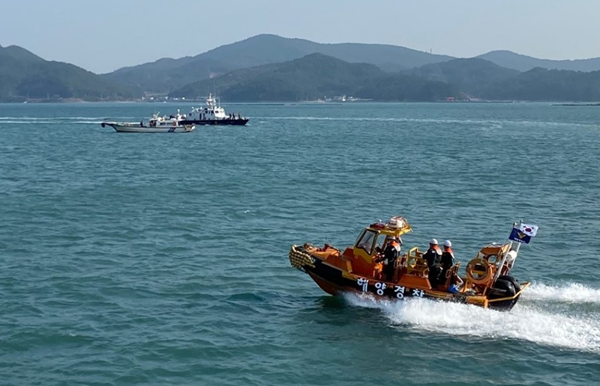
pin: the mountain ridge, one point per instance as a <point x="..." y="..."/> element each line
<point x="520" y="62"/>
<point x="24" y="75"/>
<point x="256" y="69"/>
<point x="265" y="49"/>
<point x="316" y="76"/>
<point x="166" y="74"/>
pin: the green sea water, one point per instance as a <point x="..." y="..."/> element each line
<point x="161" y="259"/>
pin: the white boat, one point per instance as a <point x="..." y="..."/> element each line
<point x="156" y="124"/>
<point x="212" y="114"/>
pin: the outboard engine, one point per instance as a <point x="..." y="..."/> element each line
<point x="505" y="287"/>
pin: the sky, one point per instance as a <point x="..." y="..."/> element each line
<point x="104" y="35"/>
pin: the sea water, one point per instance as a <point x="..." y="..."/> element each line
<point x="161" y="259"/>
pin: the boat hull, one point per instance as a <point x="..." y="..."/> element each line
<point x="335" y="281"/>
<point x="219" y="122"/>
<point x="137" y="128"/>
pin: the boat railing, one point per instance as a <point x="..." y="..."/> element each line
<point x="415" y="263"/>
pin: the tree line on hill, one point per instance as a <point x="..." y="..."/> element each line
<point x="269" y="68"/>
<point x="25" y="76"/>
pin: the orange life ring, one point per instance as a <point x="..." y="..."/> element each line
<point x="478" y="278"/>
<point x="174" y="123"/>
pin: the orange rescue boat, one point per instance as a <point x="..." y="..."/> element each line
<point x="357" y="269"/>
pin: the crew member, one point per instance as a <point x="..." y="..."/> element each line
<point x="390" y="255"/>
<point x="447" y="259"/>
<point x="433" y="257"/>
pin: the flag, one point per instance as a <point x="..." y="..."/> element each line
<point x="529" y="230"/>
<point x="519" y="237"/>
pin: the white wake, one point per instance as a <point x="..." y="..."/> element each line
<point x="566" y="293"/>
<point x="572" y="329"/>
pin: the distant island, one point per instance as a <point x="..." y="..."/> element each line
<point x="578" y="104"/>
<point x="270" y="68"/>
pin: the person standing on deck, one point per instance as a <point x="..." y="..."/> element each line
<point x="433" y="257"/>
<point x="447" y="260"/>
<point x="390" y="255"/>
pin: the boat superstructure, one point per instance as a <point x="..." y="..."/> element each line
<point x="212" y="113"/>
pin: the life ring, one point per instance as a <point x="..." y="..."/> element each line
<point x="479" y="276"/>
<point x="174" y="123"/>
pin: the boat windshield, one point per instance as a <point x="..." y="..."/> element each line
<point x="366" y="241"/>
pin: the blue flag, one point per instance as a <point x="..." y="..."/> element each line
<point x="519" y="236"/>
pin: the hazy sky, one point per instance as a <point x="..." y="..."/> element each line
<point x="104" y="35"/>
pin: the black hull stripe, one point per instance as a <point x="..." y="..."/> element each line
<point x="334" y="276"/>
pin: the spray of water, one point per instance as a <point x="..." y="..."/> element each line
<point x="567" y="293"/>
<point x="534" y="321"/>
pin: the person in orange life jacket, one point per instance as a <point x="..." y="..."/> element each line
<point x="447" y="259"/>
<point x="433" y="257"/>
<point x="390" y="255"/>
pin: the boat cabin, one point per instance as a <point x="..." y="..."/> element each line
<point x="211" y="111"/>
<point x="375" y="238"/>
<point x="162" y="121"/>
<point x="411" y="268"/>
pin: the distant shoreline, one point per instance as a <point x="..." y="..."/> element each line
<point x="577" y="104"/>
<point x="137" y="101"/>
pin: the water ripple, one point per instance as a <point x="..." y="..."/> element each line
<point x="162" y="259"/>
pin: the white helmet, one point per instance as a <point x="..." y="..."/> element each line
<point x="447" y="243"/>
<point x="433" y="241"/>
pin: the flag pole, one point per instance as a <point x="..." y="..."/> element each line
<point x="516" y="255"/>
<point x="501" y="265"/>
<point x="518" y="247"/>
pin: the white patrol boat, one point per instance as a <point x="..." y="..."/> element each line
<point x="156" y="124"/>
<point x="212" y="114"/>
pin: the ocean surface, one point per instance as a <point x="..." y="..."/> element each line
<point x="161" y="259"/>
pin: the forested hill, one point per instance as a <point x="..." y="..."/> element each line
<point x="311" y="77"/>
<point x="317" y="76"/>
<point x="166" y="75"/>
<point x="520" y="62"/>
<point x="473" y="77"/>
<point x="244" y="71"/>
<point x="541" y="84"/>
<point x="478" y="78"/>
<point x="24" y="75"/>
<point x="169" y="74"/>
